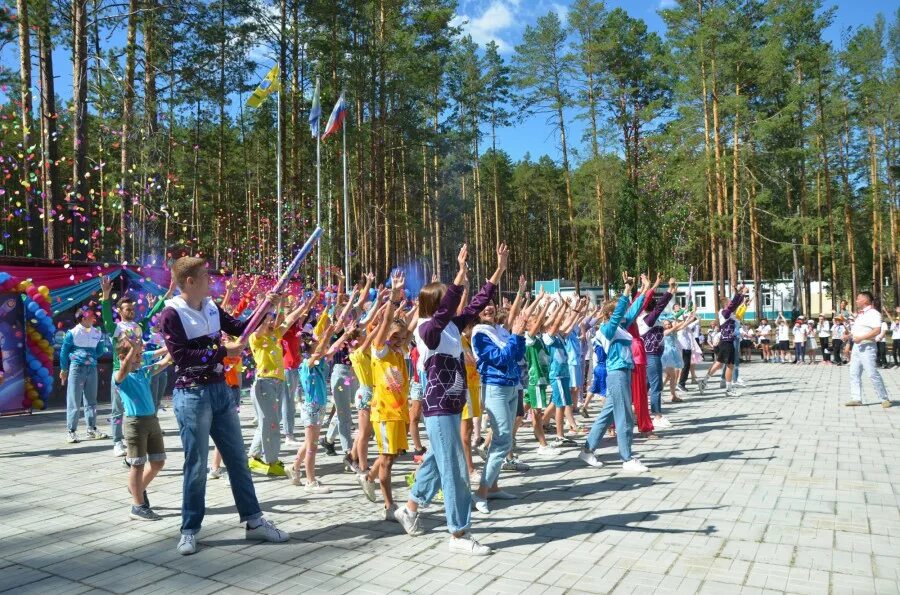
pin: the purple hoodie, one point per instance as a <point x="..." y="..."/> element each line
<point x="198" y="355"/>
<point x="440" y="350"/>
<point x="652" y="335"/>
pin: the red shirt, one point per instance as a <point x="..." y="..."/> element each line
<point x="290" y="344"/>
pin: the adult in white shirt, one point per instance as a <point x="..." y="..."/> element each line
<point x="764" y="332"/>
<point x="823" y="331"/>
<point x="799" y="333"/>
<point x="866" y="328"/>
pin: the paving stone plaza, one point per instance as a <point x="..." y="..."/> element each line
<point x="780" y="490"/>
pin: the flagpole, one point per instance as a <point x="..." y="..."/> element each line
<point x="318" y="200"/>
<point x="278" y="180"/>
<point x="346" y="211"/>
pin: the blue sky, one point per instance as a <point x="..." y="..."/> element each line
<point x="504" y="21"/>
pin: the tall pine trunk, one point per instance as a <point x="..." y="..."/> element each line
<point x="127" y="118"/>
<point x="78" y="203"/>
<point x="49" y="146"/>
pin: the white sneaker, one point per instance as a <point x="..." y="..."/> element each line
<point x="548" y="451"/>
<point x="740" y="382"/>
<point x="481" y="504"/>
<point x="732" y="392"/>
<point x="187" y="545"/>
<point x="661" y="423"/>
<point x="295" y="475"/>
<point x="267" y="531"/>
<point x="216" y="473"/>
<point x="482" y="452"/>
<point x="475" y="478"/>
<point x="316" y="487"/>
<point x="467" y="545"/>
<point x="590" y="459"/>
<point x="409" y="520"/>
<point x="71" y="437"/>
<point x="389" y="513"/>
<point x="514" y="465"/>
<point x="634" y="466"/>
<point x="368" y="487"/>
<point x="702" y="385"/>
<point x="291" y="443"/>
<point x="119" y="449"/>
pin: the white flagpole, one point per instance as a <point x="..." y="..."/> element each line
<point x="278" y="177"/>
<point x="346" y="209"/>
<point x="318" y="196"/>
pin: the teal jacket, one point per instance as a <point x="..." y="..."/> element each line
<point x="614" y="336"/>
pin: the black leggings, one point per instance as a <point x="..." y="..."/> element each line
<point x="881" y="354"/>
<point x="837" y="345"/>
<point x="897" y="352"/>
<point x="685" y="368"/>
<point x="823" y="344"/>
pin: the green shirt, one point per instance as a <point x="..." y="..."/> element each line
<point x="117" y="329"/>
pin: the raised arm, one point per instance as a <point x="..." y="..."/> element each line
<point x="398" y="281"/>
<point x="365" y="290"/>
<point x="109" y="325"/>
<point x="430" y="331"/>
<point x="132" y="355"/>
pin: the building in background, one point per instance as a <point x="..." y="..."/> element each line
<point x="776" y="296"/>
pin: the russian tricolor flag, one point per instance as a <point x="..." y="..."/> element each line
<point x="336" y="119"/>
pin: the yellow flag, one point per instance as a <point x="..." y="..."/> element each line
<point x="269" y="85"/>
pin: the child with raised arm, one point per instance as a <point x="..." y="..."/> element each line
<point x="143" y="436"/>
<point x="438" y="339"/>
<point x="313" y="372"/>
<point x="390" y="379"/>
<point x="614" y="318"/>
<point x="268" y="388"/>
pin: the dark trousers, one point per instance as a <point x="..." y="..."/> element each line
<point x="837" y="345"/>
<point x="823" y="344"/>
<point x="685" y="368"/>
<point x="881" y="354"/>
<point x="897" y="352"/>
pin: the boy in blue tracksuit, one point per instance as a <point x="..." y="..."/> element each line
<point x="615" y="340"/>
<point x="81" y="348"/>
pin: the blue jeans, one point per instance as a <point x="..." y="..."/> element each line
<point x="116" y="414"/>
<point x="81" y="387"/>
<point x="288" y="404"/>
<point x="444" y="467"/>
<point x="267" y="393"/>
<point x="343" y="390"/>
<point x="203" y="412"/>
<point x="617" y="406"/>
<point x="655" y="382"/>
<point x="862" y="359"/>
<point x="500" y="403"/>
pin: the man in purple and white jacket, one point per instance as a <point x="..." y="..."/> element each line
<point x="652" y="335"/>
<point x="729" y="328"/>
<point x="192" y="325"/>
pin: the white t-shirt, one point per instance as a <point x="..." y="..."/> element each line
<point x="824" y="329"/>
<point x="764" y="331"/>
<point x="783" y="331"/>
<point x="837" y="332"/>
<point x="882" y="338"/>
<point x="864" y="323"/>
<point x="799" y="333"/>
<point x="895" y="331"/>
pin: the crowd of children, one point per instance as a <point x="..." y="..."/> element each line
<point x="472" y="371"/>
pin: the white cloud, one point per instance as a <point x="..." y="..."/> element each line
<point x="496" y="19"/>
<point x="667" y="4"/>
<point x="562" y="12"/>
